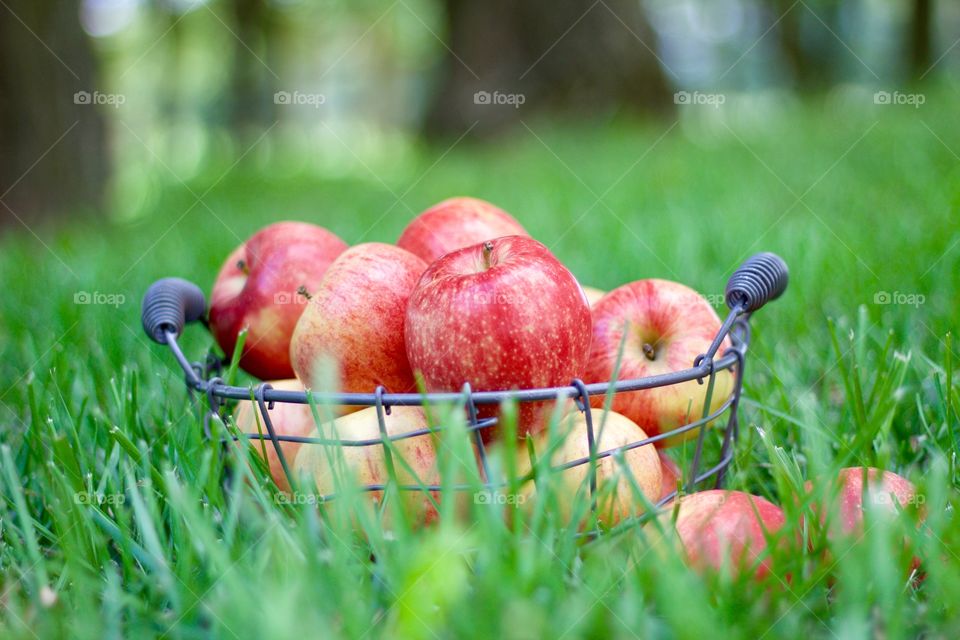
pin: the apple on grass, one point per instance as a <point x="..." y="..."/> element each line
<point x="729" y="529"/>
<point x="503" y="314"/>
<point x="615" y="491"/>
<point x="257" y="289"/>
<point x="355" y="319"/>
<point x="288" y="419"/>
<point x="454" y="224"/>
<point x="663" y="326"/>
<point x="414" y="459"/>
<point x="850" y="499"/>
<point x="885" y="492"/>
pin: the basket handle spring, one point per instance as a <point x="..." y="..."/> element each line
<point x="757" y="281"/>
<point x="168" y="305"/>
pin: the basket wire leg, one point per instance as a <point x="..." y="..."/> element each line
<point x="265" y="408"/>
<point x="702" y="430"/>
<point x="382" y="413"/>
<point x="583" y="403"/>
<point x="473" y="423"/>
<point x="733" y="423"/>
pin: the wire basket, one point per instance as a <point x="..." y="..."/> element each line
<point x="169" y="304"/>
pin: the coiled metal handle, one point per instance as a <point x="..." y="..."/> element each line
<point x="168" y="305"/>
<point x="759" y="280"/>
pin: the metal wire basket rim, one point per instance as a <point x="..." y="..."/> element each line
<point x="484" y="424"/>
<point x="271" y="395"/>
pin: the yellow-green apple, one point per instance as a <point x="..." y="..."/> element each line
<point x="727" y="529"/>
<point x="257" y="289"/>
<point x="671" y="474"/>
<point x="617" y="499"/>
<point x="454" y="224"/>
<point x="502" y="314"/>
<point x="287" y="418"/>
<point x="355" y="319"/>
<point x="593" y="295"/>
<point x="664" y="326"/>
<point x="414" y="458"/>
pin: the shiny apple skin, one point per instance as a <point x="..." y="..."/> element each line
<point x="356" y="317"/>
<point x="680" y="325"/>
<point x="524" y="322"/>
<point x="279" y="259"/>
<point x="454" y="224"/>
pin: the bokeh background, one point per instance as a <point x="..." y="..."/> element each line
<point x="123" y="99"/>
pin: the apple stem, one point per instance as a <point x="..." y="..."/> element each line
<point x="487" y="250"/>
<point x="242" y="265"/>
<point x="649" y="351"/>
<point x="302" y="290"/>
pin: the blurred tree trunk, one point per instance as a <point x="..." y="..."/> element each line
<point x="579" y="55"/>
<point x="809" y="47"/>
<point x="53" y="146"/>
<point x="920" y="19"/>
<point x="251" y="87"/>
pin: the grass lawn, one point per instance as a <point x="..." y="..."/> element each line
<point x="860" y="200"/>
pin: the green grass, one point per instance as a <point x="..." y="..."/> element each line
<point x="858" y="199"/>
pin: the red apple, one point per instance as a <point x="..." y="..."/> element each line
<point x="355" y="318"/>
<point x="671" y="474"/>
<point x="842" y="509"/>
<point x="617" y="499"/>
<point x="727" y="528"/>
<point x="257" y="288"/>
<point x="366" y="465"/>
<point x="454" y="224"/>
<point x="883" y="490"/>
<point x="664" y="326"/>
<point x="502" y="314"/>
<point x="593" y="295"/>
<point x="288" y="419"/>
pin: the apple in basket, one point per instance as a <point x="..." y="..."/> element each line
<point x="454" y="224"/>
<point x="287" y="418"/>
<point x="355" y="319"/>
<point x="593" y="295"/>
<point x="663" y="326"/>
<point x="503" y="314"/>
<point x="332" y="467"/>
<point x="257" y="289"/>
<point x="729" y="529"/>
<point x="617" y="497"/>
<point x="672" y="475"/>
